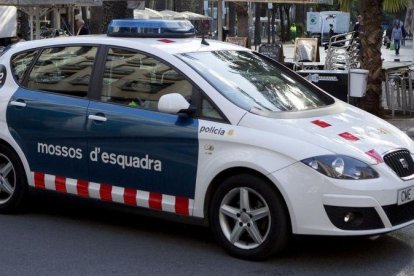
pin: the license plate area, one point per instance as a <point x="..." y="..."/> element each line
<point x="405" y="195"/>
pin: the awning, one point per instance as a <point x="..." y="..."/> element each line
<point x="8" y="21"/>
<point x="33" y="3"/>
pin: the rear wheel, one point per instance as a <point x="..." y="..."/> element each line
<point x="248" y="217"/>
<point x="12" y="180"/>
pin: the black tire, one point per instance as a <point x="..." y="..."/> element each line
<point x="255" y="229"/>
<point x="13" y="184"/>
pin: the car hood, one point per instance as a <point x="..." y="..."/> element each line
<point x="341" y="129"/>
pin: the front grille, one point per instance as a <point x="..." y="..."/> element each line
<point x="400" y="162"/>
<point x="400" y="213"/>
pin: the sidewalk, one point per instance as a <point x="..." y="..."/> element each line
<point x="406" y="53"/>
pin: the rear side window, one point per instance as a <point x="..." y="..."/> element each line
<point x="63" y="70"/>
<point x="20" y="64"/>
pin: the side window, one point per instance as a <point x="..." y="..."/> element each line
<point x="137" y="80"/>
<point x="208" y="111"/>
<point x="20" y="63"/>
<point x="63" y="70"/>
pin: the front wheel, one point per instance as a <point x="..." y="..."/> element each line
<point x="248" y="217"/>
<point x="13" y="183"/>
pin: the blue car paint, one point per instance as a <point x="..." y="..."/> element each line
<point x="138" y="133"/>
<point x="51" y="121"/>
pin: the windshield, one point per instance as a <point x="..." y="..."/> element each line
<point x="253" y="82"/>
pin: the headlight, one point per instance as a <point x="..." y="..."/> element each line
<point x="341" y="167"/>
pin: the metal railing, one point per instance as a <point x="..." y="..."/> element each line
<point x="399" y="90"/>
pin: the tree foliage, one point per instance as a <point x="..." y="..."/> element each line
<point x="391" y="6"/>
<point x="394" y="6"/>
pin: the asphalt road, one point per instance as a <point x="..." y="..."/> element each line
<point x="69" y="236"/>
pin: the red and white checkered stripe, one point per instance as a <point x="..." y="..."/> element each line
<point x="128" y="196"/>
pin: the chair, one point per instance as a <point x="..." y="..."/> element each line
<point x="342" y="52"/>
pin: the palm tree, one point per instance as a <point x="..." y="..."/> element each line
<point x="371" y="40"/>
<point x="24" y="25"/>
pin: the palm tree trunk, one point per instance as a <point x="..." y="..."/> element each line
<point x="243" y="21"/>
<point x="24" y="25"/>
<point x="101" y="16"/>
<point x="232" y="19"/>
<point x="282" y="26"/>
<point x="257" y="25"/>
<point x="371" y="54"/>
<point x="286" y="8"/>
<point x="273" y="23"/>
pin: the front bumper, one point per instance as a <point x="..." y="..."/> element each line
<point x="319" y="205"/>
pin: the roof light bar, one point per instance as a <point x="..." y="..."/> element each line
<point x="150" y="28"/>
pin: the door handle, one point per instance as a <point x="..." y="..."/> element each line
<point x="97" y="118"/>
<point x="18" y="103"/>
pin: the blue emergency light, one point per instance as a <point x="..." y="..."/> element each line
<point x="150" y="28"/>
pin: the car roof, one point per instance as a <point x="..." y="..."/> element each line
<point x="168" y="45"/>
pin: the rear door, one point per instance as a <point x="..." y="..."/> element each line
<point x="47" y="114"/>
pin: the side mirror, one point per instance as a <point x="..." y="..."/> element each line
<point x="174" y="103"/>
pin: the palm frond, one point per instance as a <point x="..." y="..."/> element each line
<point x="394" y="6"/>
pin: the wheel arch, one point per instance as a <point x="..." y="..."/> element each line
<point x="219" y="178"/>
<point x="19" y="155"/>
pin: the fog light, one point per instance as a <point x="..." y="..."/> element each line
<point x="349" y="217"/>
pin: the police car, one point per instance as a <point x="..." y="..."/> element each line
<point x="151" y="117"/>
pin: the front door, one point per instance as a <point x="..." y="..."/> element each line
<point x="137" y="154"/>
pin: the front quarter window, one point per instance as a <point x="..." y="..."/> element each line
<point x="252" y="82"/>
